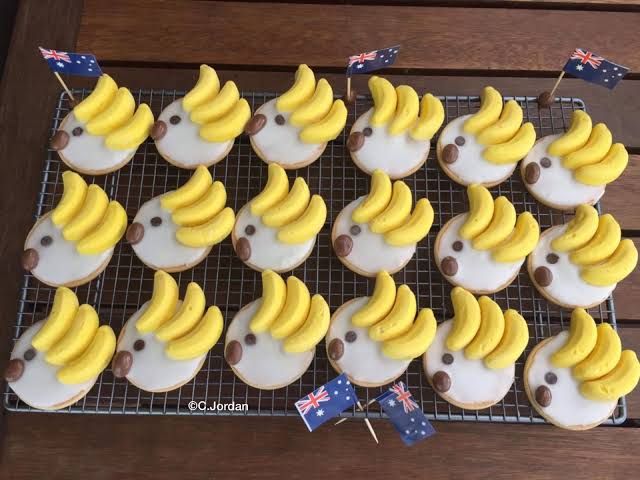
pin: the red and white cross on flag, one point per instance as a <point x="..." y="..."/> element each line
<point x="56" y="55"/>
<point x="312" y="400"/>
<point x="404" y="396"/>
<point x="586" y="57"/>
<point x="362" y="57"/>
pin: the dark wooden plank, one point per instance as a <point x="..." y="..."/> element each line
<point x="626" y="296"/>
<point x="432" y="38"/>
<point x="630" y="335"/>
<point x="8" y="10"/>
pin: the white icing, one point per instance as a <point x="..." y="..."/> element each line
<point x="60" y="263"/>
<point x="159" y="247"/>
<point x="471" y="167"/>
<point x="568" y="407"/>
<point x="281" y="143"/>
<point x="267" y="252"/>
<point x="477" y="270"/>
<point x="88" y="153"/>
<point x="264" y="365"/>
<point x="396" y="155"/>
<point x="152" y="370"/>
<point x="567" y="288"/>
<point x="362" y="360"/>
<point x="182" y="143"/>
<point x="370" y="253"/>
<point x="38" y="386"/>
<point x="472" y="383"/>
<point x="556" y="185"/>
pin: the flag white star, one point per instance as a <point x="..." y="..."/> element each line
<point x="60" y="64"/>
<point x="615" y="68"/>
<point x="335" y="392"/>
<point x="386" y="61"/>
<point x="407" y="432"/>
<point x="348" y="383"/>
<point x="320" y="412"/>
<point x="579" y="67"/>
<point x="424" y="424"/>
<point x="606" y="79"/>
<point x="92" y="61"/>
<point x="604" y="71"/>
<point x="395" y="51"/>
<point x="422" y="432"/>
<point x="413" y="419"/>
<point x="359" y="65"/>
<point x="619" y="74"/>
<point x="391" y="403"/>
<point x="382" y="56"/>
<point x="89" y="69"/>
<point x="339" y="382"/>
<point x="82" y="57"/>
<point x="77" y="61"/>
<point x="348" y="397"/>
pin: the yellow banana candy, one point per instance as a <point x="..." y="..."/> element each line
<point x="63" y="311"/>
<point x="92" y="361"/>
<point x="385" y="100"/>
<point x="583" y="335"/>
<point x="490" y="108"/>
<point x="430" y="119"/>
<point x="162" y="305"/>
<point x="522" y="241"/>
<point x="328" y="128"/>
<point x="274" y="295"/>
<point x="380" y="303"/>
<point x="187" y="316"/>
<point x="102" y="95"/>
<point x="602" y="244"/>
<point x="593" y="151"/>
<point x="505" y="128"/>
<point x="205" y="89"/>
<point x="490" y="331"/>
<point x="407" y="110"/>
<point x="575" y="138"/>
<point x="579" y="230"/>
<point x="77" y="339"/>
<point x="312" y="330"/>
<point x="607" y="169"/>
<point x="107" y="233"/>
<point x="604" y="356"/>
<point x="300" y="92"/>
<point x="115" y="115"/>
<point x="315" y="108"/>
<point x="229" y="126"/>
<point x="199" y="340"/>
<point x="514" y="341"/>
<point x="512" y="150"/>
<point x="396" y="212"/>
<point x="275" y="190"/>
<point x="377" y="200"/>
<point x="204" y="209"/>
<point x="480" y="211"/>
<point x="613" y="270"/>
<point x="191" y="191"/>
<point x="618" y="382"/>
<point x="295" y="310"/>
<point x="73" y="195"/>
<point x="415" y="341"/>
<point x="399" y="319"/>
<point x="218" y="106"/>
<point x="501" y="226"/>
<point x="89" y="216"/>
<point x="133" y="132"/>
<point x="466" y="320"/>
<point x="416" y="227"/>
<point x="307" y="225"/>
<point x="290" y="207"/>
<point x="210" y="233"/>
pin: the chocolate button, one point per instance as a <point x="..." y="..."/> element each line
<point x="532" y="173"/>
<point x="233" y="352"/>
<point x="59" y="140"/>
<point x="355" y="141"/>
<point x="174" y="120"/>
<point x="552" y="258"/>
<point x="457" y="246"/>
<point x="350" y="336"/>
<point x="250" y="339"/>
<point x="135" y="233"/>
<point x="14" y="370"/>
<point x="343" y="245"/>
<point x="441" y="381"/>
<point x="447" y="359"/>
<point x="77" y="131"/>
<point x="543" y="396"/>
<point x="545" y="99"/>
<point x="449" y="266"/>
<point x="367" y="131"/>
<point x="279" y="119"/>
<point x="355" y="230"/>
<point x="255" y="124"/>
<point x="460" y="141"/>
<point x="46" y="241"/>
<point x="29" y="355"/>
<point x="122" y="364"/>
<point x="449" y="153"/>
<point x="543" y="276"/>
<point x="249" y="230"/>
<point x="545" y="162"/>
<point x="243" y="249"/>
<point x="551" y="378"/>
<point x="30" y="259"/>
<point x="158" y="130"/>
<point x="156" y="222"/>
<point x="138" y="345"/>
<point x="336" y="349"/>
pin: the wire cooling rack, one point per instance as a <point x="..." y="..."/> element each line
<point x="127" y="283"/>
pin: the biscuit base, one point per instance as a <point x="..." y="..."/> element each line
<point x="368" y="171"/>
<point x="178" y="268"/>
<point x="292" y="166"/>
<point x="66" y="403"/>
<point x="207" y="164"/>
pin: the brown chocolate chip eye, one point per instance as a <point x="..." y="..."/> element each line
<point x="76" y="132"/>
<point x="350" y="336"/>
<point x="249" y="229"/>
<point x="156" y="222"/>
<point x="459" y="141"/>
<point x="29" y="354"/>
<point x="457" y="246"/>
<point x="250" y="339"/>
<point x="279" y="119"/>
<point x="174" y="120"/>
<point x="367" y="131"/>
<point x="355" y="230"/>
<point x="545" y="162"/>
<point x="138" y="345"/>
<point x="552" y="258"/>
<point x="551" y="378"/>
<point x="46" y="241"/>
<point x="447" y="359"/>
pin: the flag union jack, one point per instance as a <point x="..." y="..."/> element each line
<point x="586" y="57"/>
<point x="373" y="60"/>
<point x="313" y="400"/>
<point x="55" y="55"/>
<point x="362" y="57"/>
<point x="342" y="396"/>
<point x="403" y="395"/>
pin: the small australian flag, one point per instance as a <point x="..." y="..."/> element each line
<point x="405" y="414"/>
<point x="374" y="60"/>
<point x="595" y="69"/>
<point x="326" y="402"/>
<point x="83" y="64"/>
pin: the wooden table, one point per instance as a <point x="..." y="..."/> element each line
<point x="515" y="45"/>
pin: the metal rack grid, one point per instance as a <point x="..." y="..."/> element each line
<point x="127" y="283"/>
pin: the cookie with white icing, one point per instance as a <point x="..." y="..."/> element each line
<point x="201" y="127"/>
<point x="72" y="244"/>
<point x="277" y="229"/>
<point x="564" y="171"/>
<point x="177" y="230"/>
<point x="165" y="343"/>
<point x="485" y="147"/>
<point x="395" y="135"/>
<point x="379" y="231"/>
<point x="574" y="379"/>
<point x="471" y="361"/>
<point x="373" y="339"/>
<point x="293" y="129"/>
<point x="579" y="264"/>
<point x="56" y="361"/>
<point x="102" y="133"/>
<point x="271" y="342"/>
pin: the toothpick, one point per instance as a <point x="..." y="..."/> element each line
<point x="359" y="407"/>
<point x="64" y="85"/>
<point x="368" y="424"/>
<point x="555" y="87"/>
<point x="349" y="87"/>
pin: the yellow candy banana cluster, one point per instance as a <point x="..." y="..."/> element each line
<point x="297" y="214"/>
<point x="595" y="245"/>
<point x="387" y="210"/>
<point x="492" y="225"/>
<point x="72" y="339"/>
<point x="109" y="111"/>
<point x="87" y="217"/>
<point x="198" y="208"/>
<point x="589" y="151"/>
<point x="485" y="331"/>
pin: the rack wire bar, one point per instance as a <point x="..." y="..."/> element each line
<point x="127" y="283"/>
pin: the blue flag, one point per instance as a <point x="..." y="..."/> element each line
<point x="405" y="414"/>
<point x="83" y="64"/>
<point x="370" y="61"/>
<point x="326" y="402"/>
<point x="592" y="68"/>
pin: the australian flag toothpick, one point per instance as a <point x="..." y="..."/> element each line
<point x="83" y="64"/>
<point x="374" y="60"/>
<point x="405" y="414"/>
<point x="595" y="69"/>
<point x="326" y="402"/>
